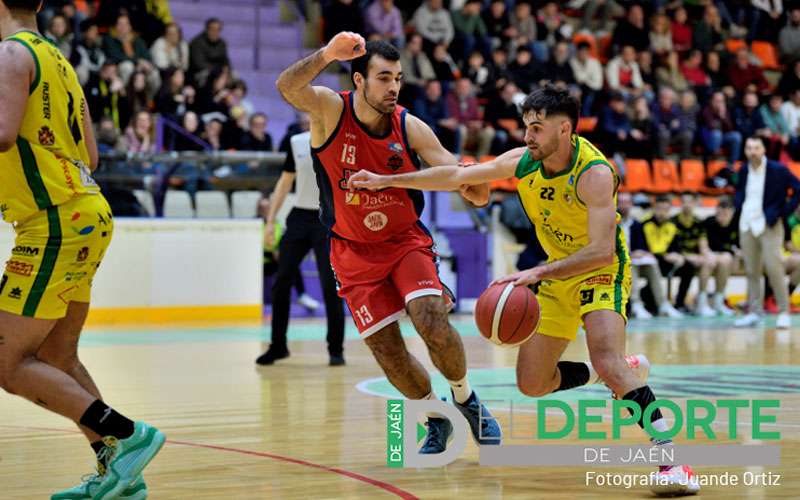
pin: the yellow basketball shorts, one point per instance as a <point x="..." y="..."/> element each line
<point x="564" y="303"/>
<point x="55" y="256"/>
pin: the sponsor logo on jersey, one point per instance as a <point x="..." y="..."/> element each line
<point x="352" y="198"/>
<point x="375" y="221"/>
<point x="603" y="279"/>
<point x="83" y="254"/>
<point x="587" y="296"/>
<point x="25" y="250"/>
<point x="605" y="297"/>
<point x="396" y="147"/>
<point x="21" y="268"/>
<point x="45" y="101"/>
<point x="346" y="173"/>
<point x="15" y="293"/>
<point x="395" y="162"/>
<point x="74" y="276"/>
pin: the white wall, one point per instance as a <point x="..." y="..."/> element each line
<point x="176" y="262"/>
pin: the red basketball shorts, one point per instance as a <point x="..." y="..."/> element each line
<point x="377" y="280"/>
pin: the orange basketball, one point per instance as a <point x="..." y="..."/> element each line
<point x="507" y="315"/>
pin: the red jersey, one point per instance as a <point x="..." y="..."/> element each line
<point x="366" y="216"/>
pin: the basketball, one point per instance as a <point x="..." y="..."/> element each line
<point x="507" y="315"/>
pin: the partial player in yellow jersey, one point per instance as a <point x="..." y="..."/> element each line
<point x="568" y="190"/>
<point x="63" y="226"/>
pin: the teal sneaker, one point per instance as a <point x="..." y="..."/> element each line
<point x="131" y="456"/>
<point x="90" y="484"/>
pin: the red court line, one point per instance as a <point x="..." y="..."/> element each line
<point x="353" y="475"/>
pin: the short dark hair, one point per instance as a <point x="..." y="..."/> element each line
<point x="553" y="101"/>
<point x="584" y="45"/>
<point x="663" y="198"/>
<point x="31" y="5"/>
<point x="378" y="48"/>
<point x="212" y="20"/>
<point x="725" y="202"/>
<point x="757" y="138"/>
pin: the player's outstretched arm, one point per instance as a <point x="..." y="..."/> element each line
<point x="427" y="145"/>
<point x="443" y="178"/>
<point x="15" y="79"/>
<point x="294" y="83"/>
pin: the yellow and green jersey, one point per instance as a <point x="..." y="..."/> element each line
<point x="554" y="207"/>
<point x="48" y="166"/>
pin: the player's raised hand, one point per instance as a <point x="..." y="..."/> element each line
<point x="364" y="179"/>
<point x="345" y="46"/>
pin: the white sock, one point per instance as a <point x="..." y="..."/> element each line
<point x="594" y="378"/>
<point x="461" y="389"/>
<point x="661" y="426"/>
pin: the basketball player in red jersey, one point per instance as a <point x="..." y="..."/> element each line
<point x="381" y="253"/>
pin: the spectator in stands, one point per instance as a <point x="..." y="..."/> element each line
<point x="108" y="139"/>
<point x="717" y="74"/>
<point x="660" y="235"/>
<point x="433" y="22"/>
<point x="590" y="8"/>
<point x="462" y="106"/>
<point x="213" y="96"/>
<point x="500" y="69"/>
<point x="789" y="37"/>
<point x="444" y="67"/>
<point x="723" y="240"/>
<point x="790" y="80"/>
<point x="303" y="124"/>
<point x="717" y="129"/>
<point x="479" y="74"/>
<point x="743" y="74"/>
<point x="138" y="100"/>
<point x="432" y="109"/>
<point x="237" y="99"/>
<point x="708" y="34"/>
<point x="632" y="31"/>
<point x="207" y="51"/>
<point x="171" y="50"/>
<point x="213" y="133"/>
<point x="681" y="31"/>
<point x="762" y="200"/>
<point x="526" y="74"/>
<point x="660" y="35"/>
<point x="692" y="243"/>
<point x="417" y="69"/>
<point x="60" y="33"/>
<point x="777" y="137"/>
<point x="791" y="114"/>
<point x="140" y="134"/>
<point x="689" y="112"/>
<point x="470" y="31"/>
<point x="558" y="70"/>
<point x="342" y="15"/>
<point x="669" y="130"/>
<point x="765" y="19"/>
<point x="130" y="53"/>
<point x="382" y="21"/>
<point x="175" y="97"/>
<point x="692" y="70"/>
<point x="498" y="24"/>
<point x="88" y="56"/>
<point x="105" y="94"/>
<point x="749" y="121"/>
<point x="643" y="264"/>
<point x="648" y="73"/>
<point x="622" y="73"/>
<point x="191" y="125"/>
<point x="588" y="74"/>
<point x="552" y="26"/>
<point x="256" y="138"/>
<point x="641" y="143"/>
<point x="670" y="74"/>
<point x="615" y="126"/>
<point x="503" y="115"/>
<point x="524" y="25"/>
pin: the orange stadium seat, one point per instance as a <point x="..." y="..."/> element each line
<point x="586" y="124"/>
<point x="604" y="48"/>
<point x="637" y="176"/>
<point x="665" y="176"/>
<point x="588" y="38"/>
<point x="795" y="168"/>
<point x="712" y="168"/>
<point x="767" y="53"/>
<point x="734" y="44"/>
<point x="693" y="175"/>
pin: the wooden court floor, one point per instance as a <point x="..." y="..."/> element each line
<point x="301" y="429"/>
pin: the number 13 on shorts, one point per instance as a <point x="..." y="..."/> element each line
<point x="363" y="315"/>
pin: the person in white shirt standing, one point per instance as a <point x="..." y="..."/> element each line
<point x="763" y="201"/>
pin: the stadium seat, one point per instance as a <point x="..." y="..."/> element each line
<point x="604" y="48"/>
<point x="588" y="38"/>
<point x="712" y="169"/>
<point x="794" y="166"/>
<point x="586" y="124"/>
<point x="637" y="176"/>
<point x="245" y="204"/>
<point x="510" y="124"/>
<point x="693" y="175"/>
<point x="665" y="177"/>
<point x="146" y="201"/>
<point x="178" y="204"/>
<point x="212" y="204"/>
<point x="734" y="44"/>
<point x="767" y="53"/>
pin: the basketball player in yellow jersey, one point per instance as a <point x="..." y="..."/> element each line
<point x="63" y="226"/>
<point x="568" y="190"/>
